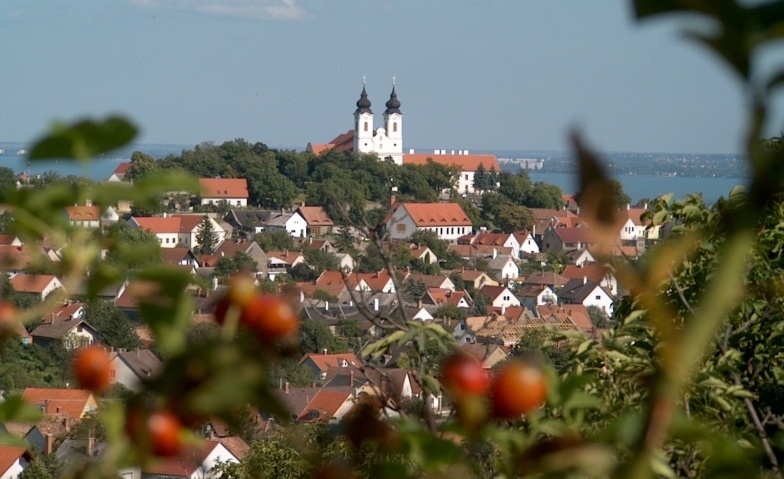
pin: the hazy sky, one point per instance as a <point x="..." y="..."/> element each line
<point x="475" y="74"/>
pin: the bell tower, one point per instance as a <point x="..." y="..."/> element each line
<point x="393" y="124"/>
<point x="363" y="123"/>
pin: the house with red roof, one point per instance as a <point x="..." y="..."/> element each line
<point x="447" y="220"/>
<point x="566" y="317"/>
<point x="90" y="216"/>
<point x="196" y="461"/>
<point x="319" y="363"/>
<point x="39" y="285"/>
<point x="635" y="228"/>
<point x="318" y="221"/>
<point x="587" y="293"/>
<point x="74" y="403"/>
<point x="281" y="262"/>
<point x="119" y="172"/>
<point x="501" y="296"/>
<point x="316" y="404"/>
<point x="65" y="323"/>
<point x="465" y="162"/>
<point x="229" y="191"/>
<point x="563" y="240"/>
<point x="13" y="460"/>
<point x="601" y="273"/>
<point x="174" y="230"/>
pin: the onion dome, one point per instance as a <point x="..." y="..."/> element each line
<point x="363" y="104"/>
<point x="393" y="104"/>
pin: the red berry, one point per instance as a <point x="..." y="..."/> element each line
<point x="270" y="318"/>
<point x="516" y="389"/>
<point x="463" y="374"/>
<point x="164" y="430"/>
<point x="92" y="368"/>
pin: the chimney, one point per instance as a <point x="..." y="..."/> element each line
<point x="324" y="351"/>
<point x="351" y="378"/>
<point x="90" y="445"/>
<point x="495" y="253"/>
<point x="286" y="387"/>
<point x="628" y="206"/>
<point x="585" y="280"/>
<point x="375" y="304"/>
<point x="164" y="214"/>
<point x="214" y="283"/>
<point x="49" y="441"/>
<point x="301" y="296"/>
<point x="326" y="305"/>
<point x="503" y="309"/>
<point x="392" y="200"/>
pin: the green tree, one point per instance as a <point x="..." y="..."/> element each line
<point x="315" y="336"/>
<point x="36" y="469"/>
<point x="480" y="178"/>
<point x="206" y="237"/>
<point x="544" y="195"/>
<point x="516" y="188"/>
<point x="113" y="325"/>
<point x="141" y="164"/>
<point x="414" y="290"/>
<point x="134" y="247"/>
<point x="276" y="240"/>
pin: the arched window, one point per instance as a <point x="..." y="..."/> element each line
<point x="394" y="126"/>
<point x="366" y="126"/>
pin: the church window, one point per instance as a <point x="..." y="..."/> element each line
<point x="366" y="126"/>
<point x="394" y="126"/>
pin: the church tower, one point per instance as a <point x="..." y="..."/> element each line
<point x="363" y="124"/>
<point x="393" y="124"/>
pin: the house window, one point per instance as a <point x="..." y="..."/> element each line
<point x="401" y="228"/>
<point x="466" y="177"/>
<point x="598" y="297"/>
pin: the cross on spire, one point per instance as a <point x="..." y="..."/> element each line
<point x="364" y="80"/>
<point x="393" y="80"/>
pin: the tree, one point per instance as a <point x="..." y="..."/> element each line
<point x="275" y="240"/>
<point x="315" y="337"/>
<point x="115" y="328"/>
<point x="142" y="164"/>
<point x="544" y="195"/>
<point x="36" y="469"/>
<point x="134" y="247"/>
<point x="414" y="290"/>
<point x="206" y="236"/>
<point x="480" y="178"/>
<point x="516" y="188"/>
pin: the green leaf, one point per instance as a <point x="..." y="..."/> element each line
<point x="14" y="408"/>
<point x="84" y="139"/>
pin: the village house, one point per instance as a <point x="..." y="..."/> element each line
<point x="65" y="323"/>
<point x="566" y="317"/>
<point x="317" y="220"/>
<point x="466" y="163"/>
<point x="229" y="191"/>
<point x="601" y="273"/>
<point x="131" y="368"/>
<point x="319" y="363"/>
<point x="588" y="293"/>
<point x="38" y="285"/>
<point x="281" y="262"/>
<point x="503" y="267"/>
<point x="531" y="296"/>
<point x="447" y="220"/>
<point x="635" y="228"/>
<point x="176" y="230"/>
<point x="500" y="296"/>
<point x="488" y="354"/>
<point x="179" y="256"/>
<point x="119" y="172"/>
<point x="230" y="248"/>
<point x="74" y="403"/>
<point x="563" y="240"/>
<point x="474" y="280"/>
<point x="90" y="216"/>
<point x="13" y="460"/>
<point x="316" y="404"/>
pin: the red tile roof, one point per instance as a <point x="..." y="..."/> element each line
<point x="72" y="402"/>
<point x="122" y="168"/>
<point x="465" y="162"/>
<point x="325" y="361"/>
<point x="595" y="272"/>
<point x="8" y="456"/>
<point x="224" y="187"/>
<point x="84" y="213"/>
<point x="315" y="215"/>
<point x="169" y="224"/>
<point x="190" y="459"/>
<point x="436" y="214"/>
<point x="31" y="283"/>
<point x="342" y="142"/>
<point x="577" y="313"/>
<point x="325" y="403"/>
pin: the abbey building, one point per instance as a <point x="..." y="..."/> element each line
<point x="387" y="142"/>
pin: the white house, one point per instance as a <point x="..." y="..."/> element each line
<point x="13" y="460"/>
<point x="527" y="242"/>
<point x="289" y="221"/>
<point x="467" y="163"/>
<point x="130" y="368"/>
<point x="176" y="229"/>
<point x="587" y="293"/>
<point x="41" y="285"/>
<point x="447" y="220"/>
<point x="503" y="267"/>
<point x="230" y="191"/>
<point x="634" y="228"/>
<point x="534" y="295"/>
<point x="196" y="461"/>
<point x="501" y="296"/>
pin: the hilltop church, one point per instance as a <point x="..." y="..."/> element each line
<point x="387" y="142"/>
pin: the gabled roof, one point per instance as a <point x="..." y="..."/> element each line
<point x="122" y="168"/>
<point x="72" y="402"/>
<point x="142" y="362"/>
<point x="9" y="455"/>
<point x="83" y="213"/>
<point x="186" y="463"/>
<point x="376" y="281"/>
<point x="574" y="235"/>
<point x="287" y="257"/>
<point x="634" y="214"/>
<point x="224" y="187"/>
<point x="325" y="361"/>
<point x="32" y="283"/>
<point x="175" y="255"/>
<point x="576" y="314"/>
<point x="174" y="224"/>
<point x="324" y="405"/>
<point x="465" y="162"/>
<point x="342" y="142"/>
<point x="315" y="215"/>
<point x="486" y="238"/>
<point x="577" y="289"/>
<point x="60" y="321"/>
<point x="595" y="272"/>
<point x="435" y="214"/>
<point x="430" y="280"/>
<point x="493" y="291"/>
<point x="547" y="278"/>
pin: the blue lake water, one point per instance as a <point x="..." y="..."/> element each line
<point x="650" y="186"/>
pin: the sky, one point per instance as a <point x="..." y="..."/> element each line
<point x="470" y="74"/>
